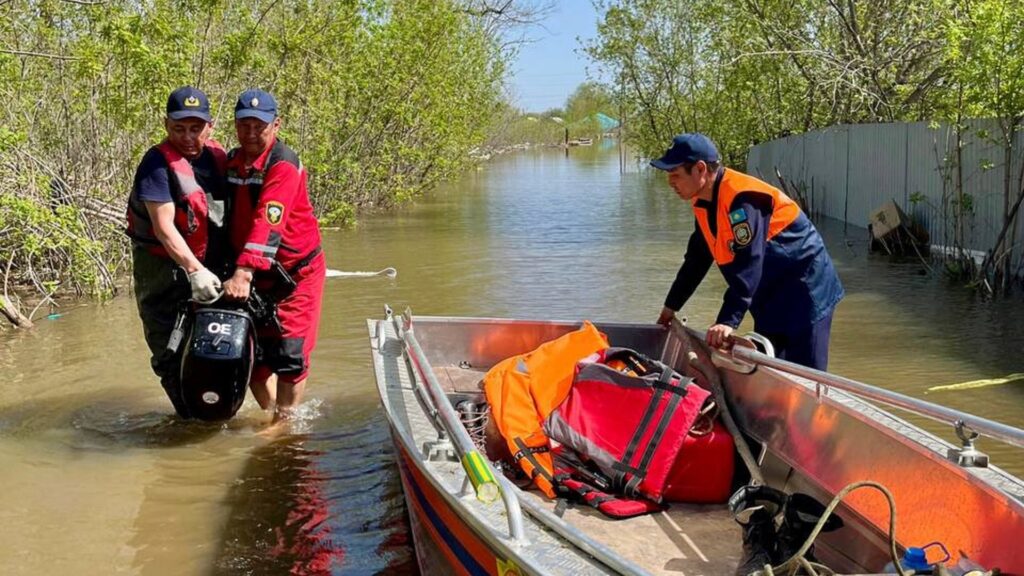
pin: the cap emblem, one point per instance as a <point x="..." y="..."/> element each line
<point x="254" y="102"/>
<point x="192" y="102"/>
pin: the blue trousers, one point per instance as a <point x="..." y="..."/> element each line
<point x="807" y="348"/>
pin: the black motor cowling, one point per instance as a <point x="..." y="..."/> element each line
<point x="217" y="363"/>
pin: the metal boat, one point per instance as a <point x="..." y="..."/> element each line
<point x="811" y="432"/>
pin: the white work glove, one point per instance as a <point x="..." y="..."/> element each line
<point x="205" y="286"/>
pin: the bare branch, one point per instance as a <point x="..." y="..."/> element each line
<point x="38" y="54"/>
<point x="7" y="308"/>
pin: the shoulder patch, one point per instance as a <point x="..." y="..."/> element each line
<point x="741" y="232"/>
<point x="736" y="216"/>
<point x="275" y="213"/>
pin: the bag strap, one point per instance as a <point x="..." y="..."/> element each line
<point x="659" y="432"/>
<point x="661" y="387"/>
<point x="624" y="465"/>
<point x="611" y="506"/>
<point x="528" y="452"/>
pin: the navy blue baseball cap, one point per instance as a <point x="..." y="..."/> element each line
<point x="687" y="149"/>
<point x="188" y="102"/>
<point x="256" y="104"/>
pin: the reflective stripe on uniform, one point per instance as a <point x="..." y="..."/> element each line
<point x="268" y="251"/>
<point x="246" y="181"/>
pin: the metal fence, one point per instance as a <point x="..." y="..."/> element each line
<point x="848" y="171"/>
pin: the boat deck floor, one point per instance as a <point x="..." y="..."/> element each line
<point x="684" y="540"/>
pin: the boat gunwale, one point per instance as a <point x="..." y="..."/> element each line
<point x="492" y="537"/>
<point x="461" y="507"/>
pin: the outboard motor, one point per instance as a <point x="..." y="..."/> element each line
<point x="217" y="363"/>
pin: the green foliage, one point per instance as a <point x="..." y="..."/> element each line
<point x="588" y="99"/>
<point x="744" y="71"/>
<point x="343" y="214"/>
<point x="516" y="127"/>
<point x="9" y="139"/>
<point x="50" y="242"/>
<point x="964" y="203"/>
<point x="381" y="98"/>
<point x="984" y="53"/>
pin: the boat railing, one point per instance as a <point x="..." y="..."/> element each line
<point x="464" y="446"/>
<point x="487" y="484"/>
<point x="967" y="426"/>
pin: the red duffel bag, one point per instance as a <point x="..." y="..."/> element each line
<point x="629" y="415"/>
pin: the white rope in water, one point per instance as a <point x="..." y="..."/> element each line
<point x="389" y="272"/>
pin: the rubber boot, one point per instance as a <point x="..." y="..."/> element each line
<point x="172" y="386"/>
<point x="755" y="509"/>
<point x="798" y="521"/>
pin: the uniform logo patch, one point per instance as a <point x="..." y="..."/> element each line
<point x="737" y="216"/>
<point x="741" y="232"/>
<point x="275" y="212"/>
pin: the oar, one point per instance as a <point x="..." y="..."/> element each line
<point x="979" y="383"/>
<point x="389" y="272"/>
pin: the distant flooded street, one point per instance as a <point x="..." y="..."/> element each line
<point x="99" y="479"/>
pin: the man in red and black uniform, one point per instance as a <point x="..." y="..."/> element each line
<point x="175" y="220"/>
<point x="273" y="230"/>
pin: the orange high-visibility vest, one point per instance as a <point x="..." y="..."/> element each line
<point x="524" y="389"/>
<point x="784" y="212"/>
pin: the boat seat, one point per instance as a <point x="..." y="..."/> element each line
<point x="454" y="379"/>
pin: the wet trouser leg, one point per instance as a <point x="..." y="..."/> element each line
<point x="160" y="289"/>
<point x="808" y="348"/>
<point x="287" y="353"/>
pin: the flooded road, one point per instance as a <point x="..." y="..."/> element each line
<point x="97" y="478"/>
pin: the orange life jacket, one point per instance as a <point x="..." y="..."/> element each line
<point x="190" y="203"/>
<point x="784" y="212"/>
<point x="524" y="389"/>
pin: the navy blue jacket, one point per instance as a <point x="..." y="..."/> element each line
<point x="787" y="283"/>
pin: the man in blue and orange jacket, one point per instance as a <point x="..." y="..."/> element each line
<point x="771" y="256"/>
<point x="273" y="229"/>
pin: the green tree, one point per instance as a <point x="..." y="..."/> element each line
<point x="586" y="100"/>
<point x="744" y="71"/>
<point x="381" y="98"/>
<point x="985" y="56"/>
<point x="581" y="107"/>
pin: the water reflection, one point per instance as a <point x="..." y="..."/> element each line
<point x="300" y="506"/>
<point x="280" y="515"/>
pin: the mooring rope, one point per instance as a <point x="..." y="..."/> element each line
<point x="793" y="565"/>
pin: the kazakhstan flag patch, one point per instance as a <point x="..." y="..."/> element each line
<point x="737" y="216"/>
